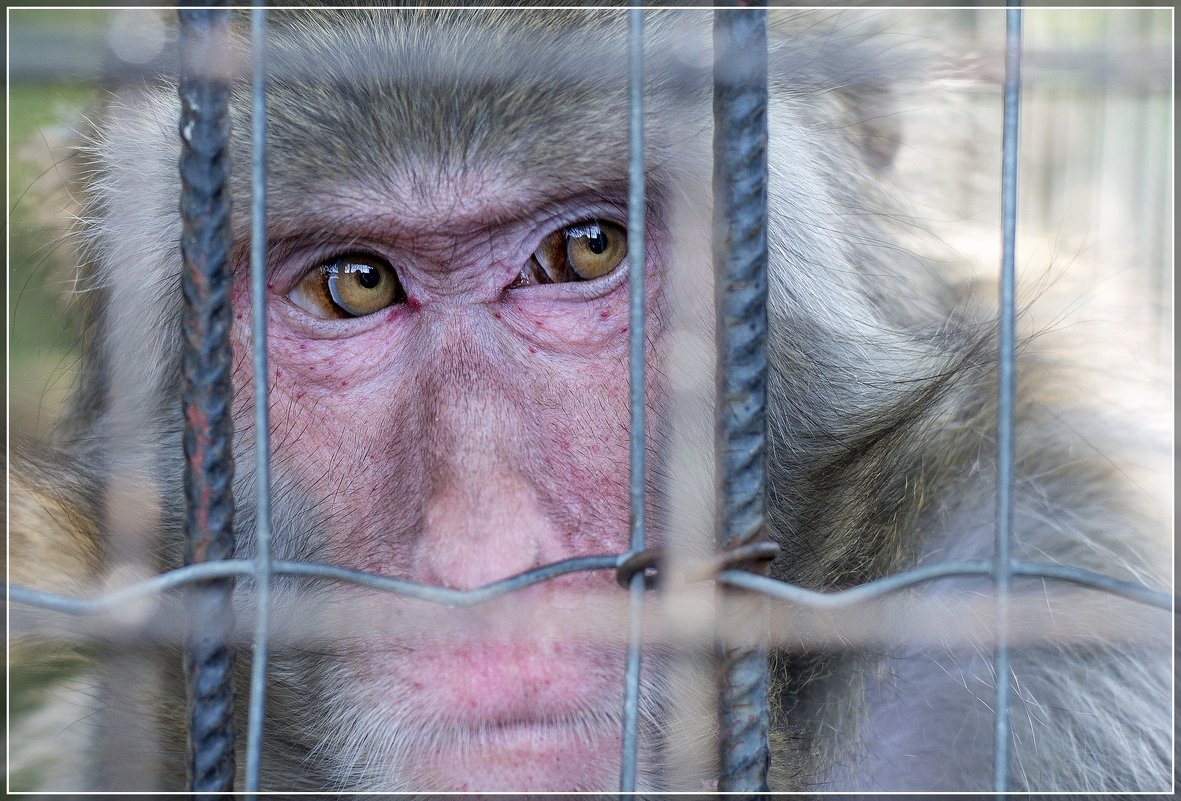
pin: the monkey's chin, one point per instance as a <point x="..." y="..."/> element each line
<point x="510" y="715"/>
<point x="531" y="756"/>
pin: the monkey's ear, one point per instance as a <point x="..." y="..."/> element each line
<point x="848" y="71"/>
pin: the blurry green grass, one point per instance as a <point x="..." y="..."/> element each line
<point x="38" y="674"/>
<point x="41" y="341"/>
<point x="40" y="267"/>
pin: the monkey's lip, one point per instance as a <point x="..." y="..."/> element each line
<point x="513" y="684"/>
<point x="536" y="721"/>
<point x="537" y="728"/>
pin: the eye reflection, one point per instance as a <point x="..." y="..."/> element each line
<point x="352" y="285"/>
<point x="584" y="251"/>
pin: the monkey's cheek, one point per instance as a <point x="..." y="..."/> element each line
<point x="587" y="327"/>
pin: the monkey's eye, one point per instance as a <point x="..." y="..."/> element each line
<point x="580" y="252"/>
<point x="348" y="286"/>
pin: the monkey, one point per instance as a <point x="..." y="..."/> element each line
<point x="447" y="310"/>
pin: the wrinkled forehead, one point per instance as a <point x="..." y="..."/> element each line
<point x="409" y="96"/>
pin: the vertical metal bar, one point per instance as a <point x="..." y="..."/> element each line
<point x="262" y="438"/>
<point x="209" y="504"/>
<point x="638" y="439"/>
<point x="740" y="262"/>
<point x="1002" y="568"/>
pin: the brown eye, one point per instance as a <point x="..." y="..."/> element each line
<point x="594" y="249"/>
<point x="580" y="252"/>
<point x="348" y="286"/>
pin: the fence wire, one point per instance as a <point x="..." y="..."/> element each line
<point x="262" y="425"/>
<point x="1006" y="393"/>
<point x="638" y="437"/>
<point x="740" y="258"/>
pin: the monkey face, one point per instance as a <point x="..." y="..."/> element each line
<point x="448" y="340"/>
<point x="473" y="425"/>
<point x="447" y="304"/>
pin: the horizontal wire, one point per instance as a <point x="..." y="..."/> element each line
<point x="983" y="568"/>
<point x="446" y="596"/>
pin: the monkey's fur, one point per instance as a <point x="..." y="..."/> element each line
<point x="882" y="443"/>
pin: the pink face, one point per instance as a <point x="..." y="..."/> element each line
<point x="469" y="423"/>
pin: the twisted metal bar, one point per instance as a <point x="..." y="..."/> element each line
<point x="740" y="262"/>
<point x="209" y="504"/>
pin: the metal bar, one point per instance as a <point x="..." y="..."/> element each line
<point x="770" y="587"/>
<point x="262" y="438"/>
<point x="430" y="593"/>
<point x="1002" y="570"/>
<point x="638" y="436"/>
<point x="740" y="262"/>
<point x="209" y="505"/>
<point x="862" y="593"/>
<point x="880" y="588"/>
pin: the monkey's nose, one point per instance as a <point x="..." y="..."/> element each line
<point x="477" y="532"/>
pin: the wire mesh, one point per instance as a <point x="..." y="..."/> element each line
<point x="1006" y="369"/>
<point x="743" y="748"/>
<point x="638" y="397"/>
<point x="262" y="426"/>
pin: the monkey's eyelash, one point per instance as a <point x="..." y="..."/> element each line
<point x="346" y="286"/>
<point x="585" y="251"/>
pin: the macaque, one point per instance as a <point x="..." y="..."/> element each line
<point x="447" y="302"/>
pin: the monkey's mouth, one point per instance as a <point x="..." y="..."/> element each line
<point x="583" y="727"/>
<point x="527" y="753"/>
<point x="515" y="714"/>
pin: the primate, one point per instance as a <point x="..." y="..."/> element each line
<point x="448" y="338"/>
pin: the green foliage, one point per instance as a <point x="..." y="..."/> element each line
<point x="41" y="259"/>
